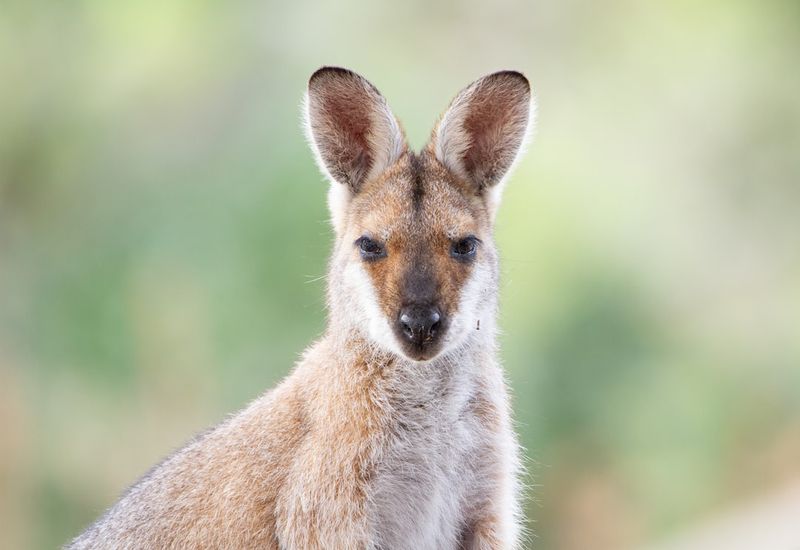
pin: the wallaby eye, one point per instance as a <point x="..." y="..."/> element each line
<point x="370" y="250"/>
<point x="464" y="249"/>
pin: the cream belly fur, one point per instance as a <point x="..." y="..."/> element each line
<point x="394" y="430"/>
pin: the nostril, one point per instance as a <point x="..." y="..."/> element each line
<point x="435" y="322"/>
<point x="405" y="323"/>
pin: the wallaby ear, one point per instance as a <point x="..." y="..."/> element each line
<point x="353" y="132"/>
<point x="483" y="130"/>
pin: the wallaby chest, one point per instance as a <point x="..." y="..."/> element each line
<point x="427" y="473"/>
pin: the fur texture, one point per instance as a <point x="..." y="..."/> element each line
<point x="372" y="442"/>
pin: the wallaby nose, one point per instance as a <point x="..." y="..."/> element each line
<point x="419" y="323"/>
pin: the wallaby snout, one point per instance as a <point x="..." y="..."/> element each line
<point x="420" y="326"/>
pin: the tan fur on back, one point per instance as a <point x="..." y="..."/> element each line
<point x="363" y="446"/>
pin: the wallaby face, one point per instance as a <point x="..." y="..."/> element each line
<point x="414" y="266"/>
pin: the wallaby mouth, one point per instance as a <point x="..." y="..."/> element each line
<point x="421" y="354"/>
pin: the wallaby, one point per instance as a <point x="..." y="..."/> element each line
<point x="394" y="430"/>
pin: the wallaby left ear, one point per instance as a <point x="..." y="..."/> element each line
<point x="350" y="127"/>
<point x="480" y="135"/>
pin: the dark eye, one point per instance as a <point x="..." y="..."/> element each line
<point x="465" y="248"/>
<point x="370" y="250"/>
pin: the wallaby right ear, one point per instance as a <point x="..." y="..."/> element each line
<point x="480" y="135"/>
<point x="353" y="132"/>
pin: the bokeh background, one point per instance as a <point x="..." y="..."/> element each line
<point x="163" y="235"/>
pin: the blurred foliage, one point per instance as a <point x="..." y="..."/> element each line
<point x="163" y="238"/>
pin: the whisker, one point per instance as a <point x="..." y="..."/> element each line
<point x="313" y="279"/>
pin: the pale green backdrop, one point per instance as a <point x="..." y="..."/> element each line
<point x="163" y="235"/>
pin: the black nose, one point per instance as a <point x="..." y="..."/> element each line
<point x="419" y="323"/>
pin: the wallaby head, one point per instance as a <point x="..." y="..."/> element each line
<point x="414" y="267"/>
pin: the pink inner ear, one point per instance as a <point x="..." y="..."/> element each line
<point x="484" y="128"/>
<point x="488" y="117"/>
<point x="350" y="118"/>
<point x="344" y="143"/>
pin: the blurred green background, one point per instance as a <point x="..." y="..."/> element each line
<point x="163" y="232"/>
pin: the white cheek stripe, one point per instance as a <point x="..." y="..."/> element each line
<point x="366" y="310"/>
<point x="472" y="308"/>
